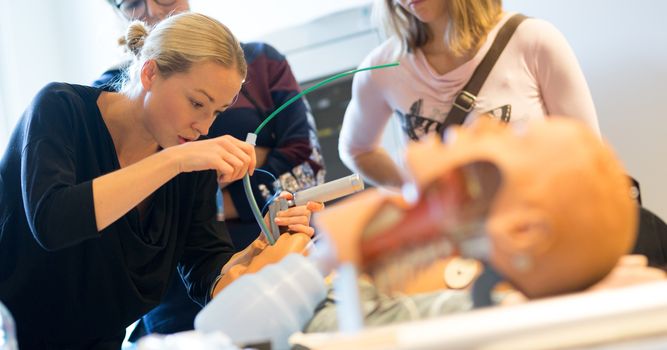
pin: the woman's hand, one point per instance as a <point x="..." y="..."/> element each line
<point x="297" y="219"/>
<point x="231" y="158"/>
<point x="259" y="254"/>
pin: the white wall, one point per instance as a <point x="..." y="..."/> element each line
<point x="266" y="16"/>
<point x="622" y="48"/>
<point x="50" y="40"/>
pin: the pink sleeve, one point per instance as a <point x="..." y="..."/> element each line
<point x="366" y="116"/>
<point x="561" y="81"/>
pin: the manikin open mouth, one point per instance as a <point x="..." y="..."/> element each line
<point x="403" y="248"/>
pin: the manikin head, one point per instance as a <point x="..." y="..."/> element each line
<point x="546" y="204"/>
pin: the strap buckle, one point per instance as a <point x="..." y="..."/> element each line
<point x="465" y="101"/>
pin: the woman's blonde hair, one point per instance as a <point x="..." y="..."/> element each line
<point x="178" y="42"/>
<point x="468" y="22"/>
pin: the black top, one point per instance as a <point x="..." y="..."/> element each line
<point x="64" y="281"/>
<point x="295" y="157"/>
<point x="652" y="239"/>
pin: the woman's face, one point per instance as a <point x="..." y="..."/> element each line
<point x="152" y="11"/>
<point x="182" y="107"/>
<point x="426" y="11"/>
<point x="155" y="12"/>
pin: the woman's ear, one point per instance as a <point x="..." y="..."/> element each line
<point x="149" y="72"/>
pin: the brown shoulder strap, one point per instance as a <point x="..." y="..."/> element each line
<point x="465" y="100"/>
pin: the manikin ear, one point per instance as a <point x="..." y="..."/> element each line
<point x="149" y="72"/>
<point x="521" y="231"/>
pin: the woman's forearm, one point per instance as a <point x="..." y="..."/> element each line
<point x="378" y="168"/>
<point x="118" y="192"/>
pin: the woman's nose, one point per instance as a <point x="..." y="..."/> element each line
<point x="203" y="126"/>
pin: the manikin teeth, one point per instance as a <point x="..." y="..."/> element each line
<point x="393" y="273"/>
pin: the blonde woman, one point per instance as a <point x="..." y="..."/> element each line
<point x="439" y="43"/>
<point x="104" y="194"/>
<point x="288" y="149"/>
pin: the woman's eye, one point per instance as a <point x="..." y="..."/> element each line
<point x="196" y="104"/>
<point x="129" y="5"/>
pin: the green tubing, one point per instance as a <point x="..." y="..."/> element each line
<point x="255" y="210"/>
<point x="246" y="179"/>
<point x="317" y="86"/>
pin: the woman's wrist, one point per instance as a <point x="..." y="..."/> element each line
<point x="171" y="157"/>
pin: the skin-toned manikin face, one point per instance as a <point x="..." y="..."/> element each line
<point x="546" y="204"/>
<point x="182" y="107"/>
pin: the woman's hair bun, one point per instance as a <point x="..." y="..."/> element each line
<point x="134" y="38"/>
